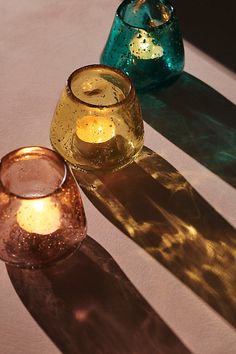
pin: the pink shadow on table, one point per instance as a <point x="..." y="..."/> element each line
<point x="87" y="305"/>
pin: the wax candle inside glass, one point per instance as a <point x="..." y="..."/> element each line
<point x="94" y="129"/>
<point x="97" y="124"/>
<point x="41" y="213"/>
<point x="93" y="135"/>
<point x="39" y="216"/>
<point x="143" y="47"/>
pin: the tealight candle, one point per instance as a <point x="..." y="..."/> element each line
<point x="40" y="216"/>
<point x="94" y="134"/>
<point x="142" y="47"/>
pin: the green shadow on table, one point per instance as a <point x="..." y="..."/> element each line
<point x="152" y="203"/>
<point x="198" y="120"/>
<point x="87" y="305"/>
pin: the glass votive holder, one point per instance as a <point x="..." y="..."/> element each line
<point x="42" y="217"/>
<point x="145" y="42"/>
<point x="97" y="124"/>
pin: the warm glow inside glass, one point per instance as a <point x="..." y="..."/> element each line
<point x="41" y="213"/>
<point x="145" y="42"/>
<point x="98" y="124"/>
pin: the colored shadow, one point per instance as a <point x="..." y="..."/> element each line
<point x="159" y="210"/>
<point x="86" y="305"/>
<point x="198" y="120"/>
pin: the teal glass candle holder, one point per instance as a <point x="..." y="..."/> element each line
<point x="145" y="42"/>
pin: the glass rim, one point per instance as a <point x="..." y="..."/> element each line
<point x="35" y="149"/>
<point x="157" y="28"/>
<point x="124" y="76"/>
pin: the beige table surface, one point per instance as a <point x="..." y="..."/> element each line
<point x="41" y="43"/>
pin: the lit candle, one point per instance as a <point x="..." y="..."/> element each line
<point x="93" y="134"/>
<point x="40" y="216"/>
<point x="142" y="47"/>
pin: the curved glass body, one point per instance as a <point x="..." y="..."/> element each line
<point x="97" y="123"/>
<point x="145" y="42"/>
<point x="42" y="218"/>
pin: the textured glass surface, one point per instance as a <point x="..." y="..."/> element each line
<point x="98" y="124"/>
<point x="145" y="42"/>
<point x="41" y="213"/>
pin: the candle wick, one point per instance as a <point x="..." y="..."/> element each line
<point x="93" y="92"/>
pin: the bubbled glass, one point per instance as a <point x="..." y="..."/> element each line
<point x="97" y="124"/>
<point x="42" y="217"/>
<point x="145" y="42"/>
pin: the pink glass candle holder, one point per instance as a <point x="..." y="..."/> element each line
<point x="42" y="217"/>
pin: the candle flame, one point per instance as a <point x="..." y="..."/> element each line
<point x="142" y="47"/>
<point x="40" y="216"/>
<point x="92" y="129"/>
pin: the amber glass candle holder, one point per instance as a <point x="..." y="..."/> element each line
<point x="42" y="218"/>
<point x="97" y="123"/>
<point x="145" y="42"/>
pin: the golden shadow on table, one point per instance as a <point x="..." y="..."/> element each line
<point x="157" y="208"/>
<point x="87" y="305"/>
